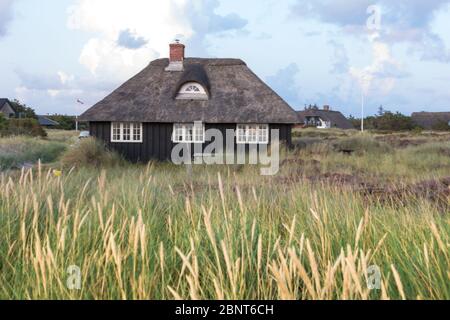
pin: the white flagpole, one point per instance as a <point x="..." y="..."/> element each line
<point x="76" y="118"/>
<point x="362" y="110"/>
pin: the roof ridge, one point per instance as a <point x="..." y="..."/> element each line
<point x="223" y="62"/>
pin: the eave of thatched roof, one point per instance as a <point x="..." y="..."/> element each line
<point x="337" y="119"/>
<point x="44" y="121"/>
<point x="236" y="95"/>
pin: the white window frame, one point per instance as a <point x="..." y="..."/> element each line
<point x="182" y="129"/>
<point x="324" y="124"/>
<point x="184" y="94"/>
<point x="124" y="136"/>
<point x="252" y="134"/>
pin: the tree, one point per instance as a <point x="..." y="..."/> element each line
<point x="23" y="110"/>
<point x="65" y="122"/>
<point x="355" y="121"/>
<point x="385" y="120"/>
<point x="390" y="121"/>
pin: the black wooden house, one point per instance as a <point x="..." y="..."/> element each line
<point x="163" y="105"/>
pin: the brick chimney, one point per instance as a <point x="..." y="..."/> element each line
<point x="176" y="56"/>
<point x="326" y="107"/>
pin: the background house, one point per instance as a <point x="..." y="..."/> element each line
<point x="323" y="118"/>
<point x="7" y="109"/>
<point x="163" y="105"/>
<point x="432" y="120"/>
<point x="46" y="122"/>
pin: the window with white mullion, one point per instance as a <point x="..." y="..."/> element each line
<point x="188" y="133"/>
<point x="126" y="132"/>
<point x="263" y="134"/>
<point x="252" y="134"/>
<point x="116" y="132"/>
<point x="199" y="133"/>
<point x="137" y="132"/>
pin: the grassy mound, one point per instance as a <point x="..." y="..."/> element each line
<point x="91" y="153"/>
<point x="362" y="144"/>
<point x="15" y="151"/>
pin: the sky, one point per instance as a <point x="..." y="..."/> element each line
<point x="325" y="52"/>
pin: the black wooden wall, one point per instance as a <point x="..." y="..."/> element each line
<point x="157" y="139"/>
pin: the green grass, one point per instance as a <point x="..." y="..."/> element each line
<point x="159" y="232"/>
<point x="18" y="150"/>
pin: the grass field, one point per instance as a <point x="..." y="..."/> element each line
<point x="17" y="151"/>
<point x="317" y="230"/>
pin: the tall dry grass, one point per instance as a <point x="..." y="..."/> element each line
<point x="156" y="232"/>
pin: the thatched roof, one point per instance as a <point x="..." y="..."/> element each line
<point x="337" y="119"/>
<point x="3" y="101"/>
<point x="428" y="120"/>
<point x="236" y="95"/>
<point x="46" y="122"/>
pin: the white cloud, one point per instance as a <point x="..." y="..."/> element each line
<point x="158" y="22"/>
<point x="381" y="75"/>
<point x="58" y="92"/>
<point x="402" y="21"/>
<point x="5" y="15"/>
<point x="285" y="84"/>
<point x="340" y="60"/>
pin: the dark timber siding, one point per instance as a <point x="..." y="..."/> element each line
<point x="157" y="139"/>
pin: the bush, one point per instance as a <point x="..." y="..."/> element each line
<point x="362" y="144"/>
<point x="3" y="122"/>
<point x="15" y="151"/>
<point x="67" y="122"/>
<point x="23" y="127"/>
<point x="386" y="121"/>
<point x="441" y="126"/>
<point x="91" y="153"/>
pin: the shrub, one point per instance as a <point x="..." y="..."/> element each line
<point x="417" y="130"/>
<point x="91" y="153"/>
<point x="386" y="121"/>
<point x="23" y="127"/>
<point x="3" y="122"/>
<point x="441" y="126"/>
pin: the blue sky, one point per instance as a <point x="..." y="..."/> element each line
<point x="54" y="52"/>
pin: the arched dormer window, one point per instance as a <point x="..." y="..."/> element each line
<point x="192" y="91"/>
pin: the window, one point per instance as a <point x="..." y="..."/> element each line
<point x="192" y="88"/>
<point x="189" y="133"/>
<point x="192" y="91"/>
<point x="253" y="134"/>
<point x="126" y="132"/>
